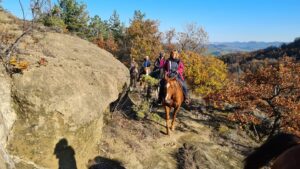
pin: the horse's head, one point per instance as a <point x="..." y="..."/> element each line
<point x="173" y="92"/>
<point x="171" y="85"/>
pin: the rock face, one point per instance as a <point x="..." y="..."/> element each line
<point x="7" y="117"/>
<point x="60" y="104"/>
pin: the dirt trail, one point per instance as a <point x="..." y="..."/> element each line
<point x="194" y="143"/>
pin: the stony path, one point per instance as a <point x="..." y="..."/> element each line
<point x="143" y="144"/>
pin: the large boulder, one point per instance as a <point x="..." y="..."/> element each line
<point x="60" y="103"/>
<point x="7" y="118"/>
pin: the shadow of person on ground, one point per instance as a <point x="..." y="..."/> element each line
<point x="65" y="155"/>
<point x="104" y="163"/>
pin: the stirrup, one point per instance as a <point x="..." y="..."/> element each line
<point x="187" y="101"/>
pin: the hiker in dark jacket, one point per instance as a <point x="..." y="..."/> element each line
<point x="159" y="66"/>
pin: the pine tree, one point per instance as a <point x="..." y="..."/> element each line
<point x="74" y="15"/>
<point x="98" y="28"/>
<point x="116" y="26"/>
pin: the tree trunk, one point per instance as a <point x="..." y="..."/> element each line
<point x="276" y="126"/>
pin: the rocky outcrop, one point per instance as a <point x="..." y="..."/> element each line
<point x="62" y="99"/>
<point x="7" y="118"/>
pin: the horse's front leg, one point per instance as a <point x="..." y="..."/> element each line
<point x="176" y="110"/>
<point x="167" y="109"/>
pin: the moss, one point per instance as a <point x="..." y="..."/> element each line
<point x="140" y="115"/>
<point x="155" y="117"/>
<point x="223" y="129"/>
<point x="141" y="110"/>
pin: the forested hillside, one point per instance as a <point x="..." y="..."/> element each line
<point x="243" y="61"/>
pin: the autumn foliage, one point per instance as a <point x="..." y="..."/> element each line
<point x="272" y="92"/>
<point x="204" y="74"/>
<point x="144" y="39"/>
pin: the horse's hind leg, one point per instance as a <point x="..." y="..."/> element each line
<point x="167" y="109"/>
<point x="174" y="118"/>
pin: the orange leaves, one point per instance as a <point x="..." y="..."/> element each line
<point x="42" y="62"/>
<point x="17" y="64"/>
<point x="144" y="39"/>
<point x="272" y="90"/>
<point x="108" y="44"/>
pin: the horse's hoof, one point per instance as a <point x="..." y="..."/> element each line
<point x="168" y="133"/>
<point x="172" y="128"/>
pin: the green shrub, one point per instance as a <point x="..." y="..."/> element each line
<point x="150" y="80"/>
<point x="54" y="22"/>
<point x="141" y="110"/>
<point x="155" y="117"/>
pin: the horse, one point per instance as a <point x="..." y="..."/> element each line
<point x="284" y="148"/>
<point x="173" y="99"/>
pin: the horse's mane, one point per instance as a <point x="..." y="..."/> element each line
<point x="271" y="149"/>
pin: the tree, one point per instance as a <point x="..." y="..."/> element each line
<point x="204" y="74"/>
<point x="40" y="8"/>
<point x="138" y="16"/>
<point x="74" y="15"/>
<point x="116" y="27"/>
<point x="54" y="19"/>
<point x="194" y="38"/>
<point x="144" y="37"/>
<point x="169" y="37"/>
<point x="98" y="28"/>
<point x="272" y="91"/>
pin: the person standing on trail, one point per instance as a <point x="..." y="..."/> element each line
<point x="133" y="72"/>
<point x="159" y="65"/>
<point x="146" y="63"/>
<point x="146" y="66"/>
<point x="174" y="68"/>
<point x="133" y="65"/>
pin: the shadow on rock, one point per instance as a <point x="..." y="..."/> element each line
<point x="65" y="155"/>
<point x="104" y="163"/>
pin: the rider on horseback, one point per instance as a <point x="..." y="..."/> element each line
<point x="174" y="68"/>
<point x="159" y="65"/>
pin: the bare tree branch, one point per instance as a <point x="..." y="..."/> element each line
<point x="23" y="14"/>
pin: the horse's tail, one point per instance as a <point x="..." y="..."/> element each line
<point x="270" y="149"/>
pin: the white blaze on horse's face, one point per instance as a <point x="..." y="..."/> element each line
<point x="167" y="86"/>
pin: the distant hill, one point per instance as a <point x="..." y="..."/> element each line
<point x="221" y="48"/>
<point x="244" y="60"/>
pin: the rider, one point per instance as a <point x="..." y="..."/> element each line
<point x="174" y="68"/>
<point x="159" y="64"/>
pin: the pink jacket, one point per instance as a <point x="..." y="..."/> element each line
<point x="162" y="63"/>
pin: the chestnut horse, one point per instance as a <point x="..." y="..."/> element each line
<point x="173" y="99"/>
<point x="284" y="148"/>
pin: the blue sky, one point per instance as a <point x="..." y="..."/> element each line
<point x="224" y="20"/>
